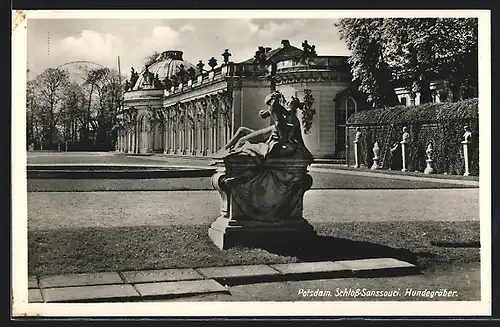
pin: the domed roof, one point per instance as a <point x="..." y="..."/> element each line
<point x="168" y="64"/>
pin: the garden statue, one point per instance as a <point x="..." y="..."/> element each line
<point x="467" y="134"/>
<point x="286" y="128"/>
<point x="395" y="151"/>
<point x="429" y="153"/>
<point x="262" y="178"/>
<point x="406" y="135"/>
<point x="226" y="56"/>
<point x="376" y="158"/>
<point x="358" y="135"/>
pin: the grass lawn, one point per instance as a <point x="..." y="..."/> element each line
<point x="57" y="210"/>
<point x="320" y="181"/>
<point x="74" y="250"/>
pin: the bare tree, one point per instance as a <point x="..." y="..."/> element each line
<point x="49" y="88"/>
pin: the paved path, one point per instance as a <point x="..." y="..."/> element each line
<point x="323" y="281"/>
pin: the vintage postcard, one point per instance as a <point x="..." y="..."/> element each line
<point x="309" y="163"/>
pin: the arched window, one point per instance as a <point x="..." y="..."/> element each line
<point x="345" y="107"/>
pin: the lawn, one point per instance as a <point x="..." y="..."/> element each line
<point x="320" y="181"/>
<point x="71" y="250"/>
<point x="56" y="210"/>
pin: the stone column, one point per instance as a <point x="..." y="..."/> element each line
<point x="356" y="147"/>
<point x="177" y="132"/>
<point x="404" y="143"/>
<point x="466" y="157"/>
<point x="465" y="143"/>
<point x="186" y="126"/>
<point x="167" y="131"/>
<point x="206" y="144"/>
<point x="130" y="139"/>
<point x="356" y="159"/>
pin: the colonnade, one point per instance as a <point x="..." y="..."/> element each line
<point x="198" y="127"/>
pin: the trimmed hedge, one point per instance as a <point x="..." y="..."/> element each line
<point x="439" y="123"/>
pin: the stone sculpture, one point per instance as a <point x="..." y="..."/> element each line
<point x="429" y="153"/>
<point x="157" y="83"/>
<point x="226" y="54"/>
<point x="134" y="76"/>
<point x="212" y="62"/>
<point x="262" y="178"/>
<point x="148" y="77"/>
<point x="376" y="158"/>
<point x="467" y="134"/>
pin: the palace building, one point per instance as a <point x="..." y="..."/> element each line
<point x="176" y="107"/>
<point x="179" y="108"/>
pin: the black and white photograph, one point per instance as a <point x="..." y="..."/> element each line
<point x="251" y="163"/>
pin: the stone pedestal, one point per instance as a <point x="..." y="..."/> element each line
<point x="257" y="211"/>
<point x="356" y="154"/>
<point x="466" y="157"/>
<point x="429" y="169"/>
<point x="403" y="154"/>
<point x="376" y="159"/>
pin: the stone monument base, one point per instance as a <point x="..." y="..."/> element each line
<point x="226" y="233"/>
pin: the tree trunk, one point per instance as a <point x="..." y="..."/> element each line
<point x="425" y="91"/>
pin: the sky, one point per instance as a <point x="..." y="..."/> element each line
<point x="53" y="42"/>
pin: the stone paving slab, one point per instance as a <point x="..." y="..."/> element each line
<point x="85" y="279"/>
<point x="180" y="288"/>
<point x="375" y="264"/>
<point x="238" y="271"/>
<point x="35" y="296"/>
<point x="32" y="282"/>
<point x="89" y="293"/>
<point x="308" y="268"/>
<point x="164" y="275"/>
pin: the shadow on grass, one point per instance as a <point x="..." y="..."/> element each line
<point x="95" y="249"/>
<point x="329" y="248"/>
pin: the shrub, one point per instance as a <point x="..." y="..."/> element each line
<point x="439" y="123"/>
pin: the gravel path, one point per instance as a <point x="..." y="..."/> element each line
<point x="52" y="210"/>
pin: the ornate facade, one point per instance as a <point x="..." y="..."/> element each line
<point x="174" y="107"/>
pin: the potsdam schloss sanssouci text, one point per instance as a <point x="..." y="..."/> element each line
<point x="363" y="292"/>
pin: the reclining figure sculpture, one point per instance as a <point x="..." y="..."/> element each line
<point x="284" y="131"/>
<point x="263" y="180"/>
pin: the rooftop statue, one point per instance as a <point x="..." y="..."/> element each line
<point x="226" y="54"/>
<point x="157" y="83"/>
<point x="148" y="77"/>
<point x="133" y="77"/>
